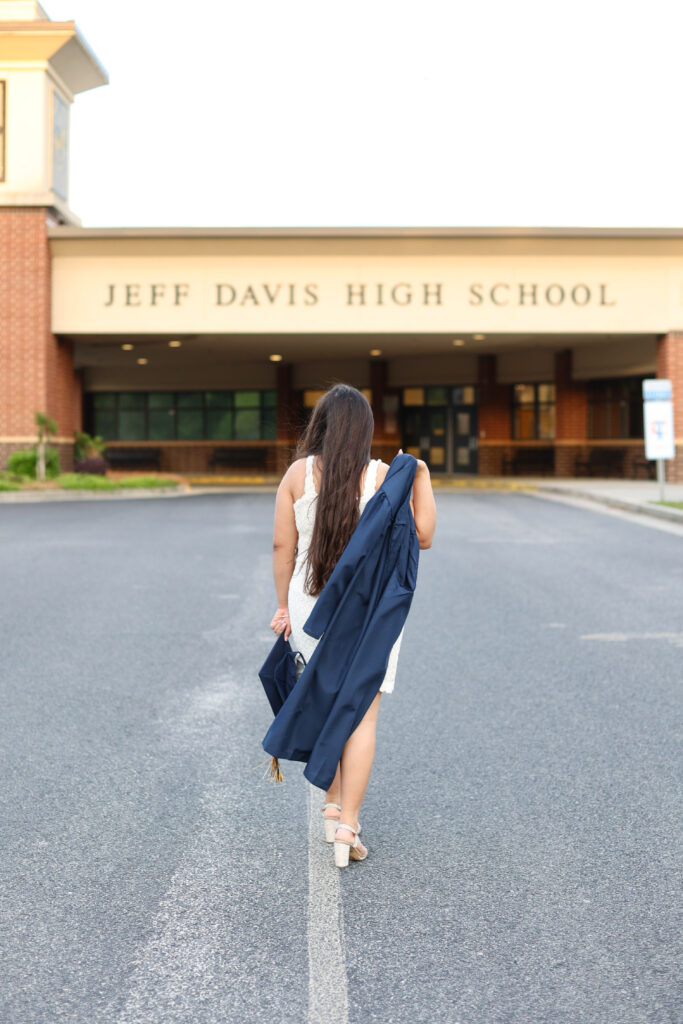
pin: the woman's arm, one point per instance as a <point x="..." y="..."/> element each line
<point x="422" y="501"/>
<point x="285" y="539"/>
<point x="423" y="505"/>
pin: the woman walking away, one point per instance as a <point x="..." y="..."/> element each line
<point x="319" y="504"/>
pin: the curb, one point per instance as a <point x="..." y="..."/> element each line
<point x="641" y="508"/>
<point x="25" y="497"/>
<point x="483" y="484"/>
<point x="229" y="481"/>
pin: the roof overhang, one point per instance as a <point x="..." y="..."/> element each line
<point x="57" y="42"/>
<point x="66" y="231"/>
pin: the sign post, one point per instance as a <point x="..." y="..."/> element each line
<point x="658" y="421"/>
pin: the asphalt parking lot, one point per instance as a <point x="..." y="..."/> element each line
<point x="523" y="817"/>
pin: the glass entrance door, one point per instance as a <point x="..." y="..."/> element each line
<point x="425" y="436"/>
<point x="464" y="429"/>
<point x="439" y="425"/>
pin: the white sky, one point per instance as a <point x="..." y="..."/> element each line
<point x="265" y="112"/>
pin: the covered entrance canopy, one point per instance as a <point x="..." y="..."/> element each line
<point x="481" y="350"/>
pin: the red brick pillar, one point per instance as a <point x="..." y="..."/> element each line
<point x="36" y="369"/>
<point x="670" y="365"/>
<point x="571" y="415"/>
<point x="386" y="402"/>
<point x="378" y="386"/>
<point x="287" y="416"/>
<point x="495" y="417"/>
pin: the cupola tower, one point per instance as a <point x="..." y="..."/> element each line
<point x="43" y="65"/>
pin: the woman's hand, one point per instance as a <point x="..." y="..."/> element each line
<point x="281" y="622"/>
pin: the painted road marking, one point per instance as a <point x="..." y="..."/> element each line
<point x="673" y="638"/>
<point x="328" y="1001"/>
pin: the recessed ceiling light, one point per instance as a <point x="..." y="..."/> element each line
<point x="375" y="351"/>
<point x="478" y="337"/>
<point x="142" y="360"/>
<point x="174" y="344"/>
<point x="127" y="346"/>
<point x="458" y="342"/>
<point x="275" y="358"/>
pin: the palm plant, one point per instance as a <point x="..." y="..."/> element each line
<point x="46" y="427"/>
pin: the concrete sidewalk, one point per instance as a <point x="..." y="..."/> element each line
<point x="640" y="496"/>
<point x="629" y="495"/>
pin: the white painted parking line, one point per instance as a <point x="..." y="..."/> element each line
<point x="328" y="1001"/>
<point x="673" y="638"/>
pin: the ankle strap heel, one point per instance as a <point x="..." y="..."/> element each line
<point x="344" y="849"/>
<point x="330" y="823"/>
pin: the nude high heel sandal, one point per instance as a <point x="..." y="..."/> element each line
<point x="344" y="849"/>
<point x="330" y="823"/>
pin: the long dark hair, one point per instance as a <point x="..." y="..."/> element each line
<point x="340" y="431"/>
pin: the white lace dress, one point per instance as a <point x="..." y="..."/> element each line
<point x="301" y="603"/>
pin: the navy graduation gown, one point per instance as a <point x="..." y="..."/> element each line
<point x="358" y="617"/>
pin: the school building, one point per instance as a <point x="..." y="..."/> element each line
<point x="201" y="350"/>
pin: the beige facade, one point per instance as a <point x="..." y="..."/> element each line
<point x="240" y="283"/>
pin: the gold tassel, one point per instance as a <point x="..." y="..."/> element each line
<point x="275" y="774"/>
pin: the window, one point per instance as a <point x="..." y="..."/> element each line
<point x="312" y="395"/>
<point x="182" y="415"/>
<point x="437" y="396"/>
<point x="533" y="412"/>
<point x="615" y="408"/>
<point x="161" y="412"/>
<point x="413" y="396"/>
<point x="465" y="395"/>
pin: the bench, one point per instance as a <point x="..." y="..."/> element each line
<point x="649" y="465"/>
<point x="600" y="462"/>
<point x="133" y="457"/>
<point x="530" y="460"/>
<point x="253" y="458"/>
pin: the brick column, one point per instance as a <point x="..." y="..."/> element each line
<point x="378" y="386"/>
<point x="386" y="403"/>
<point x="494" y="414"/>
<point x="287" y="416"/>
<point x="36" y="369"/>
<point x="670" y="365"/>
<point x="571" y="415"/>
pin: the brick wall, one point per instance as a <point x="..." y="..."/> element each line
<point x="494" y="416"/>
<point x="36" y="370"/>
<point x="571" y="415"/>
<point x="670" y="365"/>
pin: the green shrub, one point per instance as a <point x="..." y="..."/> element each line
<point x="86" y="447"/>
<point x="146" y="481"/>
<point x="24" y="463"/>
<point x="11" y="478"/>
<point x="90" y="482"/>
<point x="84" y="482"/>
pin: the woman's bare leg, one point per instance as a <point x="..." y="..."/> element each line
<point x="333" y="795"/>
<point x="356" y="764"/>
